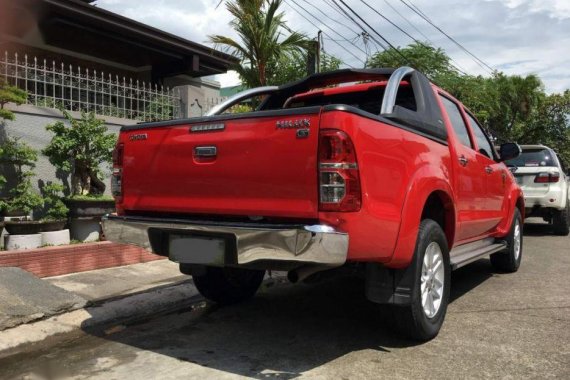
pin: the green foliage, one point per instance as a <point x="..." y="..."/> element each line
<point x="289" y="69"/>
<point x="10" y="94"/>
<point x="81" y="148"/>
<point x="510" y="107"/>
<point x="54" y="207"/>
<point x="262" y="39"/>
<point x="92" y="197"/>
<point x="23" y="197"/>
<point x="159" y="108"/>
<point x="14" y="151"/>
<point x="240" y="108"/>
<point x="433" y="62"/>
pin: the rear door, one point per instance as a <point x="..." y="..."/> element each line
<point x="469" y="176"/>
<point x="495" y="178"/>
<point x="245" y="166"/>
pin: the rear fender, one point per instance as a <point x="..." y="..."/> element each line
<point x="427" y="180"/>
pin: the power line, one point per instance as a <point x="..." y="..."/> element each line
<point x="406" y="33"/>
<point x="330" y="18"/>
<point x="334" y="31"/>
<point x="416" y="10"/>
<point x="409" y="22"/>
<point x="329" y="36"/>
<point x="395" y="49"/>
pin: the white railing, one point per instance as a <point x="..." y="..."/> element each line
<point x="59" y="86"/>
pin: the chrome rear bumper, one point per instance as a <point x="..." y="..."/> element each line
<point x="248" y="243"/>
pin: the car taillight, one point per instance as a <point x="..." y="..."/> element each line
<point x="547" y="178"/>
<point x="117" y="177"/>
<point x="339" y="179"/>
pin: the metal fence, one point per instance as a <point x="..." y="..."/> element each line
<point x="59" y="86"/>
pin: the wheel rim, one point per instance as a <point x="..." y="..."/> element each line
<point x="432" y="280"/>
<point x="517" y="240"/>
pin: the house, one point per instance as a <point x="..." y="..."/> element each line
<point x="72" y="54"/>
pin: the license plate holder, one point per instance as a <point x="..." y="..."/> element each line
<point x="192" y="249"/>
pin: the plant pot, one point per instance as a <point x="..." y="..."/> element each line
<point x="86" y="229"/>
<point x="53" y="225"/>
<point x="14" y="242"/>
<point x="81" y="208"/>
<point x="23" y="227"/>
<point x="15" y="213"/>
<point x="54" y="238"/>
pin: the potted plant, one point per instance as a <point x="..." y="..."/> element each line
<point x="83" y="148"/>
<point x="55" y="211"/>
<point x="55" y="216"/>
<point x="23" y="199"/>
<point x="19" y="155"/>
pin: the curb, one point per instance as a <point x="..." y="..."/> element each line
<point x="113" y="312"/>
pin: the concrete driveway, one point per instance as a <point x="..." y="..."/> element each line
<point x="497" y="326"/>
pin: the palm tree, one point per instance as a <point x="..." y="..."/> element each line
<point x="262" y="41"/>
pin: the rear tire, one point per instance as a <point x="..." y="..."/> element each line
<point x="423" y="318"/>
<point x="228" y="285"/>
<point x="510" y="260"/>
<point x="561" y="221"/>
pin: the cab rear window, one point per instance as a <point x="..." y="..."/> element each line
<point x="369" y="101"/>
<point x="533" y="157"/>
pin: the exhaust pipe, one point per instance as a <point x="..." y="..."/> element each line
<point x="302" y="273"/>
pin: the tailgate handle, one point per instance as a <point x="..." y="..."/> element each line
<point x="205" y="151"/>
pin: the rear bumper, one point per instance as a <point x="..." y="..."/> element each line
<point x="295" y="245"/>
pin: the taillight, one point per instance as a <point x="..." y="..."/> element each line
<point x="547" y="178"/>
<point x="117" y="177"/>
<point x="339" y="179"/>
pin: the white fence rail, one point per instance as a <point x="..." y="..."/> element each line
<point x="58" y="86"/>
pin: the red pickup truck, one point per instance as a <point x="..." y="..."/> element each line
<point x="374" y="170"/>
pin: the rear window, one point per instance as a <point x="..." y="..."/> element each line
<point x="533" y="157"/>
<point x="369" y="101"/>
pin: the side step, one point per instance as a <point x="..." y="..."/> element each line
<point x="467" y="253"/>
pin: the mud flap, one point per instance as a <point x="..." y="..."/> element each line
<point x="390" y="286"/>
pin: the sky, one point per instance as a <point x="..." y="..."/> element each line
<point x="513" y="36"/>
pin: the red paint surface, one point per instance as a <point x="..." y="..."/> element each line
<point x="262" y="170"/>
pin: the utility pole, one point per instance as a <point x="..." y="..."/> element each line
<point x="314" y="55"/>
<point x="319" y="37"/>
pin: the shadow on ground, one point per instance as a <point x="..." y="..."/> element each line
<point x="284" y="331"/>
<point x="535" y="227"/>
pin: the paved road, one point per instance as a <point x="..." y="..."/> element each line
<point x="498" y="326"/>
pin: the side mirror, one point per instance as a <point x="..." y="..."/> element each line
<point x="508" y="151"/>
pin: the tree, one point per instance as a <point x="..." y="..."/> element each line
<point x="295" y="67"/>
<point x="10" y="94"/>
<point x="550" y="125"/>
<point x="262" y="39"/>
<point x="81" y="149"/>
<point x="434" y="63"/>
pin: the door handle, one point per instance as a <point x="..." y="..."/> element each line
<point x="488" y="169"/>
<point x="205" y="151"/>
<point x="463" y="161"/>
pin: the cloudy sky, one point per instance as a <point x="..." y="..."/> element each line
<point x="514" y="36"/>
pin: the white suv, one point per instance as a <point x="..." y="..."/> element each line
<point x="545" y="183"/>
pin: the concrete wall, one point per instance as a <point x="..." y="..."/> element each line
<point x="30" y="126"/>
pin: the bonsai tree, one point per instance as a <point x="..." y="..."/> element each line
<point x="81" y="147"/>
<point x="10" y="94"/>
<point x="54" y="207"/>
<point x="22" y="197"/>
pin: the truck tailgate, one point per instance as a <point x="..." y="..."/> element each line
<point x="260" y="167"/>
